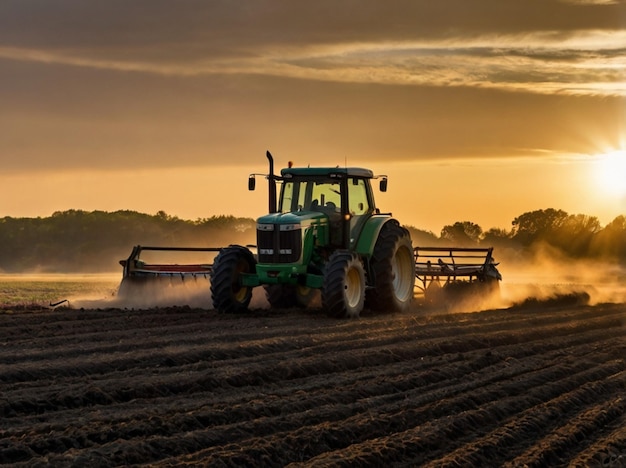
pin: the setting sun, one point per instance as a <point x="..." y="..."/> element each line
<point x="611" y="173"/>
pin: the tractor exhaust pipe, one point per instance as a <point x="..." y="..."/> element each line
<point x="272" y="184"/>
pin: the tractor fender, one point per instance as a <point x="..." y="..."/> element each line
<point x="369" y="234"/>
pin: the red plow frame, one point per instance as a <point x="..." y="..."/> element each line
<point x="143" y="278"/>
<point x="134" y="267"/>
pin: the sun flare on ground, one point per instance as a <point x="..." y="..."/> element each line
<point x="611" y="173"/>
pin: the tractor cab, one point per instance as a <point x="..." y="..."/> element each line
<point x="340" y="198"/>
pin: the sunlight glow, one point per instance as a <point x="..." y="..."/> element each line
<point x="611" y="173"/>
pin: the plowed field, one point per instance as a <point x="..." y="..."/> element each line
<point x="533" y="385"/>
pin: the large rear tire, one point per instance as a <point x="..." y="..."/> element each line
<point x="228" y="294"/>
<point x="392" y="270"/>
<point x="343" y="292"/>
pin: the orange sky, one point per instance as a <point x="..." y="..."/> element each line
<point x="478" y="111"/>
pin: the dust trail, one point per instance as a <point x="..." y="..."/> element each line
<point x="545" y="274"/>
<point x="542" y="274"/>
<point x="161" y="292"/>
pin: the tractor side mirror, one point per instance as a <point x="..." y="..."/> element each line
<point x="251" y="182"/>
<point x="383" y="185"/>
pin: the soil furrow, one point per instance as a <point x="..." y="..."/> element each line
<point x="177" y="386"/>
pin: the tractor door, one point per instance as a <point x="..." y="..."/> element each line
<point x="360" y="206"/>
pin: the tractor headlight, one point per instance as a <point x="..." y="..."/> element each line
<point x="264" y="227"/>
<point x="290" y="227"/>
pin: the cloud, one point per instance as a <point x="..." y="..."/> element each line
<point x="130" y="84"/>
<point x="594" y="2"/>
<point x="584" y="62"/>
<point x="544" y="46"/>
<point x="200" y="26"/>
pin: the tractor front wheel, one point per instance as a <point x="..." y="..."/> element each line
<point x="343" y="293"/>
<point x="228" y="294"/>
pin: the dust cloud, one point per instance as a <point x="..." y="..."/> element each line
<point x="161" y="292"/>
<point x="545" y="274"/>
<point x="542" y="275"/>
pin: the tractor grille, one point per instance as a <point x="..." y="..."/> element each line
<point x="276" y="245"/>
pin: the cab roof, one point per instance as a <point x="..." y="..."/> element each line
<point x="326" y="171"/>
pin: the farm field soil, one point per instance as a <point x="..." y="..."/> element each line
<point x="533" y="385"/>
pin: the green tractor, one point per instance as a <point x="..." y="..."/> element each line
<point x="324" y="235"/>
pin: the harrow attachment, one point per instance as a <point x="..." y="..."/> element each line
<point x="453" y="275"/>
<point x="158" y="270"/>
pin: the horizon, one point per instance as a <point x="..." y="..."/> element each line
<point x="436" y="232"/>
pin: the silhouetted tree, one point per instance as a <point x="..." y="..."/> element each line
<point x="610" y="242"/>
<point x="537" y="225"/>
<point x="76" y="240"/>
<point x="421" y="237"/>
<point x="575" y="234"/>
<point x="463" y="233"/>
<point x="496" y="237"/>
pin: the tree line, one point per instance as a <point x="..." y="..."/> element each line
<point x="82" y="241"/>
<point x="576" y="236"/>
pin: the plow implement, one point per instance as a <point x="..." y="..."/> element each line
<point x="154" y="271"/>
<point x="453" y="275"/>
<point x="445" y="276"/>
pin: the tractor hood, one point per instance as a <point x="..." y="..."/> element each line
<point x="304" y="218"/>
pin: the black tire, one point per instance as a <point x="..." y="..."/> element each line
<point x="281" y="296"/>
<point x="392" y="270"/>
<point x="343" y="293"/>
<point x="228" y="294"/>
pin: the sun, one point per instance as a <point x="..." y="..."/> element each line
<point x="611" y="173"/>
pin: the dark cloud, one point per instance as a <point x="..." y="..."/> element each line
<point x="220" y="26"/>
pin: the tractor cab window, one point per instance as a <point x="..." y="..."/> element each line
<point x="358" y="206"/>
<point x="311" y="195"/>
<point x="357" y="196"/>
<point x="289" y="197"/>
<point x="326" y="197"/>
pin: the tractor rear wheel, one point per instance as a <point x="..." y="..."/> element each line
<point x="392" y="269"/>
<point x="228" y="294"/>
<point x="343" y="292"/>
